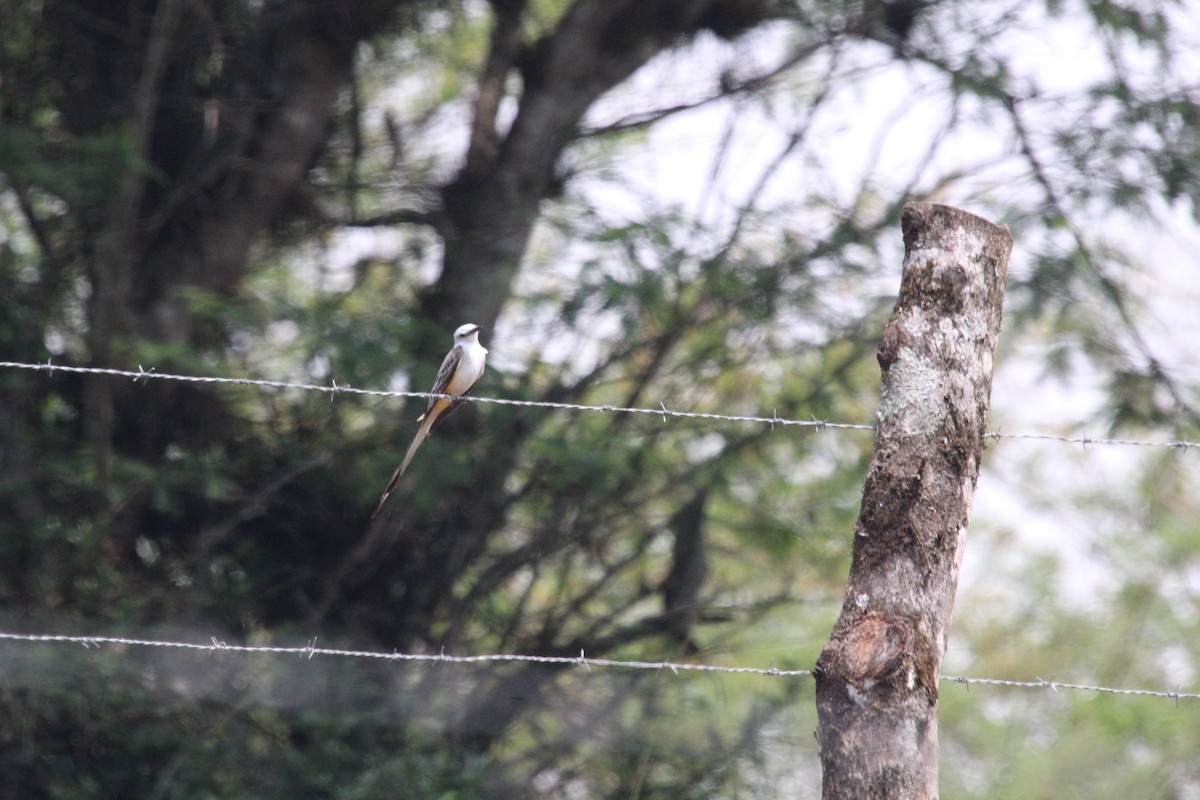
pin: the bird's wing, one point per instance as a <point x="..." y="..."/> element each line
<point x="445" y="375"/>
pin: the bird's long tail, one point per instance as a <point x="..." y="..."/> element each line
<point x="427" y="421"/>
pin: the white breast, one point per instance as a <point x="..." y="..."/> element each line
<point x="470" y="369"/>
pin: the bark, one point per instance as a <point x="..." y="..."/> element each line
<point x="877" y="678"/>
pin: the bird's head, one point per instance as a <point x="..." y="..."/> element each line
<point x="466" y="332"/>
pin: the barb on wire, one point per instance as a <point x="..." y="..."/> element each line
<point x="310" y="650"/>
<point x="335" y="388"/>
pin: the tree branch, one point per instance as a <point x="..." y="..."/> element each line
<point x="400" y="216"/>
<point x="503" y="48"/>
<point x="727" y="89"/>
<point x="1109" y="288"/>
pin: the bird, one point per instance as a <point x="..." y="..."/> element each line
<point x="461" y="369"/>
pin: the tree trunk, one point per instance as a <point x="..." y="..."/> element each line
<point x="877" y="679"/>
<point x="494" y="201"/>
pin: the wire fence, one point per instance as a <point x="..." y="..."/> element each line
<point x="334" y="389"/>
<point x="311" y="650"/>
<point x="582" y="660"/>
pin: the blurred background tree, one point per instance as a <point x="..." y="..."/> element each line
<point x="312" y="191"/>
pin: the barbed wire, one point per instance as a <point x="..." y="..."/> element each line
<point x="1055" y="686"/>
<point x="310" y="651"/>
<point x="334" y="388"/>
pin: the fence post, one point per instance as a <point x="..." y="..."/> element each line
<point x="877" y="678"/>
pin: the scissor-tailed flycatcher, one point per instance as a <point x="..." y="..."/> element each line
<point x="461" y="368"/>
